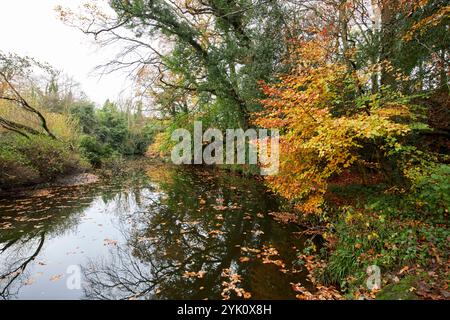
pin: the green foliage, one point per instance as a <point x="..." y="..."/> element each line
<point x="221" y="75"/>
<point x="39" y="159"/>
<point x="109" y="132"/>
<point x="431" y="188"/>
<point x="84" y="112"/>
<point x="365" y="239"/>
<point x="112" y="127"/>
<point x="94" y="151"/>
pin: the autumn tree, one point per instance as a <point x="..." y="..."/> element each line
<point x="327" y="125"/>
<point x="217" y="49"/>
<point x="14" y="70"/>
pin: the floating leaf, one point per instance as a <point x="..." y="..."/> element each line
<point x="244" y="259"/>
<point x="56" y="278"/>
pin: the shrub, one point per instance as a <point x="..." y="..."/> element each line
<point x="38" y="159"/>
<point x="15" y="169"/>
<point x="430" y="188"/>
<point x="95" y="151"/>
<point x="363" y="238"/>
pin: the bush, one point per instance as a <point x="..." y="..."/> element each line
<point x="95" y="151"/>
<point x="110" y="132"/>
<point x="430" y="188"/>
<point x="363" y="238"/>
<point x="15" y="169"/>
<point x="38" y="159"/>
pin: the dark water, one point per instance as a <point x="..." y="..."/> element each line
<point x="160" y="233"/>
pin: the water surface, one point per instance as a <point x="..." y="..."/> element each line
<point x="162" y="232"/>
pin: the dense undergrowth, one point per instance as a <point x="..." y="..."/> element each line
<point x="26" y="161"/>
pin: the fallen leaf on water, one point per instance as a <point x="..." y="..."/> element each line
<point x="269" y="255"/>
<point x="193" y="274"/>
<point x="284" y="217"/>
<point x="56" y="278"/>
<point x="5" y="226"/>
<point x="244" y="259"/>
<point x="257" y="232"/>
<point x="29" y="281"/>
<point x="215" y="232"/>
<point x="232" y="285"/>
<point x="219" y="208"/>
<point x="252" y="250"/>
<point x="110" y="242"/>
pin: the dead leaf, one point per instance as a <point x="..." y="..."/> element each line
<point x="404" y="269"/>
<point x="56" y="278"/>
<point x="244" y="259"/>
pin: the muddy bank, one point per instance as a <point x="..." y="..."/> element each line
<point x="72" y="180"/>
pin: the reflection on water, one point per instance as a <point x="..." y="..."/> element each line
<point x="163" y="233"/>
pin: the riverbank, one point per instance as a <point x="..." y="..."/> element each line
<point x="27" y="163"/>
<point x="379" y="245"/>
<point x="362" y="227"/>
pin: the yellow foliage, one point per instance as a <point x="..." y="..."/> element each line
<point x="428" y="22"/>
<point x="62" y="125"/>
<point x="158" y="148"/>
<point x="315" y="144"/>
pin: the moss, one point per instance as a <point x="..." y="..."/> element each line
<point x="400" y="290"/>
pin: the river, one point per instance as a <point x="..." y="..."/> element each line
<point x="161" y="232"/>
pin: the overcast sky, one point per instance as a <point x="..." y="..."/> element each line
<point x="31" y="27"/>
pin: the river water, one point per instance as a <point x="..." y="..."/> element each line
<point x="161" y="232"/>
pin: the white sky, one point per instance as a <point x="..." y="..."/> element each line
<point x="31" y="27"/>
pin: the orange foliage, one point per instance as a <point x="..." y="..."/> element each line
<point x="315" y="142"/>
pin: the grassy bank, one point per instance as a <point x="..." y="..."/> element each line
<point x="25" y="161"/>
<point x="393" y="229"/>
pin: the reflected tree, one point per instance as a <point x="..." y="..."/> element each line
<point x="189" y="232"/>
